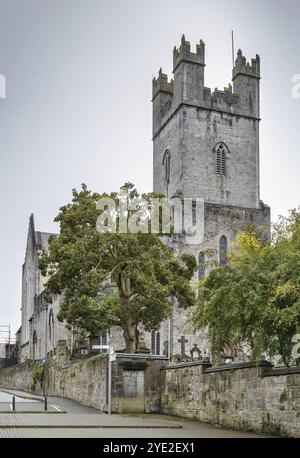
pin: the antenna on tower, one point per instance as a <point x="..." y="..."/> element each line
<point x="232" y="48"/>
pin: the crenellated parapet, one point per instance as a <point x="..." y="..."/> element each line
<point x="224" y="100"/>
<point x="187" y="88"/>
<point x="184" y="54"/>
<point x="161" y="84"/>
<point x="244" y="67"/>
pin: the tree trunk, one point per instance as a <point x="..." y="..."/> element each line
<point x="130" y="328"/>
<point x="128" y="323"/>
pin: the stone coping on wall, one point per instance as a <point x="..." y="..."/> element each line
<point x="141" y="356"/>
<point x="186" y="364"/>
<point x="226" y="367"/>
<point x="281" y="371"/>
<point x="235" y="366"/>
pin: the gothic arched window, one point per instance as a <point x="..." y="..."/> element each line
<point x="201" y="266"/>
<point x="34" y="346"/>
<point x="155" y="343"/>
<point x="223" y="248"/>
<point x="221" y="151"/>
<point x="167" y="163"/>
<point x="51" y="327"/>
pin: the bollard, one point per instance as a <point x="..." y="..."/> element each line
<point x="14" y="403"/>
<point x="46" y="404"/>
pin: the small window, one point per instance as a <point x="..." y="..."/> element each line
<point x="167" y="163"/>
<point x="51" y="328"/>
<point x="158" y="343"/>
<point x="223" y="248"/>
<point x="103" y="341"/>
<point x="201" y="266"/>
<point x="221" y="151"/>
<point x="155" y="343"/>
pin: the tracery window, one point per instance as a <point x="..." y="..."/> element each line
<point x="221" y="151"/>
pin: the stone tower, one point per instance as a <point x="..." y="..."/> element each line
<point x="206" y="145"/>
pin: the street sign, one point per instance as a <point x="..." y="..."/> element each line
<point x="112" y="355"/>
<point x="100" y="347"/>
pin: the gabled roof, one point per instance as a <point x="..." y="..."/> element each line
<point x="42" y="239"/>
<point x="36" y="240"/>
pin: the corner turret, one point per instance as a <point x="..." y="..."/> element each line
<point x="184" y="54"/>
<point x="244" y="67"/>
<point x="162" y="95"/>
<point x="245" y="77"/>
<point x="188" y="69"/>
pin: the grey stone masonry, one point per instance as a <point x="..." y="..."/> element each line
<point x="251" y="396"/>
<point x="206" y="145"/>
<point x="40" y="330"/>
<point x="189" y="120"/>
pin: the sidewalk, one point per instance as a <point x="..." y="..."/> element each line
<point x="23" y="394"/>
<point x="82" y="421"/>
<point x="100" y="420"/>
<point x="24" y="402"/>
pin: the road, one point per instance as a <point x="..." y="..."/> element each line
<point x="66" y="418"/>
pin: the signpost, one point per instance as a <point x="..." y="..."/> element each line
<point x="111" y="357"/>
<point x="100" y="347"/>
<point x="44" y="381"/>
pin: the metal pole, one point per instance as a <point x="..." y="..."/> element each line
<point x="14" y="403"/>
<point x="46" y="404"/>
<point x="72" y="340"/>
<point x="9" y="341"/>
<point x="109" y="379"/>
<point x="46" y="332"/>
<point x="44" y="381"/>
<point x="46" y="349"/>
<point x="109" y="384"/>
<point x="232" y="46"/>
<point x="169" y="343"/>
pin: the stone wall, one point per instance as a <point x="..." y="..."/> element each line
<point x="251" y="396"/>
<point x="136" y="383"/>
<point x="84" y="381"/>
<point x="19" y="377"/>
<point x="135" y="380"/>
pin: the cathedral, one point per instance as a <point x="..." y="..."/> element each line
<point x="40" y="330"/>
<point x="205" y="145"/>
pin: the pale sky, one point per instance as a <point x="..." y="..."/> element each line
<point x="78" y="75"/>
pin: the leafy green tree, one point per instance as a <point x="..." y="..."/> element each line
<point x="255" y="300"/>
<point x="108" y="279"/>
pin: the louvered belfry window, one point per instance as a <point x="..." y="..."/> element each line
<point x="221" y="151"/>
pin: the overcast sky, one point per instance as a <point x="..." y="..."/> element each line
<point x="78" y="75"/>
